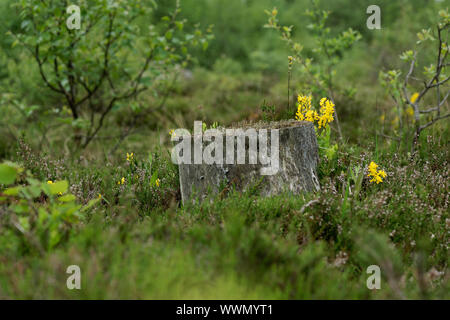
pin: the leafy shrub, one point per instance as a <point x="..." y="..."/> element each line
<point x="39" y="214"/>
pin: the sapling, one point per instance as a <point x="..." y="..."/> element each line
<point x="435" y="81"/>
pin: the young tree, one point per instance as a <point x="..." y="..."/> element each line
<point x="435" y="81"/>
<point x="109" y="60"/>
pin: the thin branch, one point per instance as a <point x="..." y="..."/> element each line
<point x="433" y="121"/>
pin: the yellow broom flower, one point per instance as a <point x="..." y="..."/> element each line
<point x="414" y="97"/>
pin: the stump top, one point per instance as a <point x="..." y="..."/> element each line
<point x="268" y="125"/>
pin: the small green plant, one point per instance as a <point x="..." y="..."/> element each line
<point x="357" y="177"/>
<point x="214" y="125"/>
<point x="268" y="111"/>
<point x="40" y="214"/>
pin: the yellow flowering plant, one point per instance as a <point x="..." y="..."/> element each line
<point x="376" y="175"/>
<point x="306" y="113"/>
<point x="321" y="121"/>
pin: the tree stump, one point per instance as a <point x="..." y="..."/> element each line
<point x="243" y="163"/>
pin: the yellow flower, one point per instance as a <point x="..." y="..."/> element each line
<point x="299" y="116"/>
<point x="157" y="182"/>
<point x="59" y="193"/>
<point x="414" y="97"/>
<point x="172" y="133"/>
<point x="121" y="181"/>
<point x="49" y="182"/>
<point x="305" y="113"/>
<point x="304" y="106"/>
<point x="130" y="156"/>
<point x="311" y="115"/>
<point x="326" y="112"/>
<point x="99" y="196"/>
<point x="375" y="174"/>
<point x="373" y="167"/>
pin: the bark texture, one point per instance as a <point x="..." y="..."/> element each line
<point x="298" y="159"/>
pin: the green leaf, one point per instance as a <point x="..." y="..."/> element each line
<point x="59" y="186"/>
<point x="179" y="25"/>
<point x="8" y="174"/>
<point x="154" y="178"/>
<point x="67" y="198"/>
<point x="55" y="237"/>
<point x="90" y="204"/>
<point x="14" y="191"/>
<point x="20" y="208"/>
<point x="34" y="191"/>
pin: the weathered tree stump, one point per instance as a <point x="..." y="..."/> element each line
<point x="285" y="161"/>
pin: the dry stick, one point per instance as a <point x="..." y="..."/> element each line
<point x="310" y="203"/>
<point x="433" y="121"/>
<point x="331" y="93"/>
<point x="438" y="107"/>
<point x="288" y="88"/>
<point x="387" y="136"/>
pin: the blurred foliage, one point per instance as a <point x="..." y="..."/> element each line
<point x="39" y="214"/>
